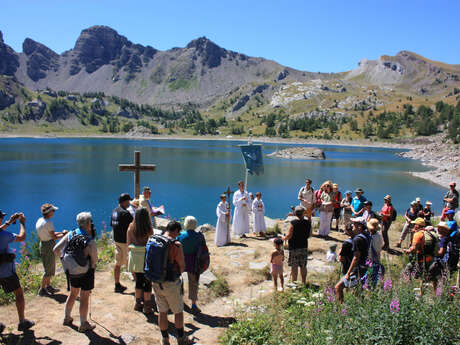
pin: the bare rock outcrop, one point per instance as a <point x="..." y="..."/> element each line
<point x="299" y="153"/>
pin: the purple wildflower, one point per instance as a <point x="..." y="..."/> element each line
<point x="344" y="311"/>
<point x="330" y="294"/>
<point x="438" y="291"/>
<point x="369" y="262"/>
<point x="388" y="285"/>
<point x="394" y="305"/>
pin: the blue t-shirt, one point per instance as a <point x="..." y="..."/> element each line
<point x="453" y="226"/>
<point x="358" y="203"/>
<point x="7" y="269"/>
<point x="190" y="240"/>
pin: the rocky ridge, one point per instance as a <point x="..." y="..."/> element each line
<point x="299" y="153"/>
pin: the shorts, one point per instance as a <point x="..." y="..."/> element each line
<point x="85" y="282"/>
<point x="276" y="269"/>
<point x="169" y="295"/>
<point x="336" y="214"/>
<point x="142" y="283"/>
<point x="10" y="284"/>
<point x="121" y="254"/>
<point x="48" y="258"/>
<point x="298" y="257"/>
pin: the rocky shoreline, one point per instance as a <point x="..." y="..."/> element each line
<point x="299" y="153"/>
<point x="442" y="156"/>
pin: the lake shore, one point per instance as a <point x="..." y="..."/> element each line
<point x="442" y="159"/>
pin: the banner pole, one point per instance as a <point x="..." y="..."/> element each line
<point x="246" y="181"/>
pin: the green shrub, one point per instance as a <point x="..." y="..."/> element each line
<point x="219" y="287"/>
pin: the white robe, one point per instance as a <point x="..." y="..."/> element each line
<point x="241" y="214"/>
<point x="258" y="211"/>
<point x="223" y="225"/>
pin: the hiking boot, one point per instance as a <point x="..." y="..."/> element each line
<point x="195" y="309"/>
<point x="25" y="325"/>
<point x="148" y="310"/>
<point x="2" y="327"/>
<point x="43" y="292"/>
<point x="119" y="288"/>
<point x="67" y="321"/>
<point x="165" y="341"/>
<point x="184" y="341"/>
<point x="85" y="327"/>
<point x="51" y="289"/>
<point x="138" y="305"/>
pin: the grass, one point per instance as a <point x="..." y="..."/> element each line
<point x="219" y="287"/>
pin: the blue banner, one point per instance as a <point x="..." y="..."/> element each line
<point x="252" y="155"/>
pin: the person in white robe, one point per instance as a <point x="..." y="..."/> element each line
<point x="223" y="222"/>
<point x="241" y="202"/>
<point x="258" y="212"/>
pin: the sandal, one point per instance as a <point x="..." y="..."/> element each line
<point x="85" y="327"/>
<point x="67" y="321"/>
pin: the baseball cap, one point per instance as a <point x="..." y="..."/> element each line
<point x="387" y="197"/>
<point x="452" y="184"/>
<point x="145" y="189"/>
<point x="450" y="212"/>
<point x="47" y="208"/>
<point x="418" y="199"/>
<point x="124" y="197"/>
<point x="359" y="190"/>
<point x="428" y="203"/>
<point x="419" y="221"/>
<point x="298" y="209"/>
<point x="2" y="214"/>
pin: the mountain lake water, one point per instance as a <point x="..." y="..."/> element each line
<point x="81" y="174"/>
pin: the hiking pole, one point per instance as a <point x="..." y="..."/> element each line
<point x="97" y="323"/>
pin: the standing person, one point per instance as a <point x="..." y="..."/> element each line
<point x="318" y="193"/>
<point x="307" y="198"/>
<point x="410" y="215"/>
<point x="368" y="213"/>
<point x="121" y="218"/>
<point x="241" y="214"/>
<point x="428" y="213"/>
<point x="375" y="249"/>
<point x="357" y="203"/>
<point x="450" y="199"/>
<point x="418" y="206"/>
<point x="347" y="209"/>
<point x="276" y="261"/>
<point x="451" y="222"/>
<point x="192" y="241"/>
<point x="357" y="268"/>
<point x="47" y="237"/>
<point x="387" y="213"/>
<point x="346" y="252"/>
<point x="137" y="236"/>
<point x="258" y="211"/>
<point x="223" y="237"/>
<point x="144" y="201"/>
<point x="297" y="237"/>
<point x="169" y="295"/>
<point x="325" y="210"/>
<point x="423" y="254"/>
<point x="133" y="206"/>
<point x="82" y="284"/>
<point x="9" y="280"/>
<point x="448" y="247"/>
<point x="337" y="198"/>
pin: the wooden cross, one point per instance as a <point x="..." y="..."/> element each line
<point x="137" y="167"/>
<point x="229" y="192"/>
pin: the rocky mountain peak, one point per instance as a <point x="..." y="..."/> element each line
<point x="9" y="61"/>
<point x="210" y="52"/>
<point x="1" y="36"/>
<point x="40" y="60"/>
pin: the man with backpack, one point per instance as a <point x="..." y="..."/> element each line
<point x="424" y="247"/>
<point x="164" y="264"/>
<point x="450" y="199"/>
<point x="78" y="252"/>
<point x="358" y="268"/>
<point x="121" y="218"/>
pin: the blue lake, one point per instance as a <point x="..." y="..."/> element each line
<point x="82" y="174"/>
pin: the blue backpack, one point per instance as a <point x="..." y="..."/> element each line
<point x="157" y="267"/>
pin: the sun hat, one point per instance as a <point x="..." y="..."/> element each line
<point x="348" y="192"/>
<point x="335" y="185"/>
<point x="452" y="184"/>
<point x="47" y="208"/>
<point x="387" y="197"/>
<point x="190" y="223"/>
<point x="373" y="224"/>
<point x="367" y="202"/>
<point x="428" y="202"/>
<point x="418" y="199"/>
<point x="443" y="225"/>
<point x="413" y="202"/>
<point x="124" y="197"/>
<point x="450" y="212"/>
<point x="359" y="190"/>
<point x="299" y="209"/>
<point x="419" y="221"/>
<point x="146" y="189"/>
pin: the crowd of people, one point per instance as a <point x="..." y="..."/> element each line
<point x="157" y="265"/>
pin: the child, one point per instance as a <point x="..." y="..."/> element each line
<point x="258" y="211"/>
<point x="223" y="221"/>
<point x="331" y="255"/>
<point x="276" y="260"/>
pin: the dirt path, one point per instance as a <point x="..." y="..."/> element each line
<point x="117" y="323"/>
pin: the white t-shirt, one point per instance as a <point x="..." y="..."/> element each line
<point x="44" y="227"/>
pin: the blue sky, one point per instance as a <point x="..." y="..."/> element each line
<point x="326" y="36"/>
